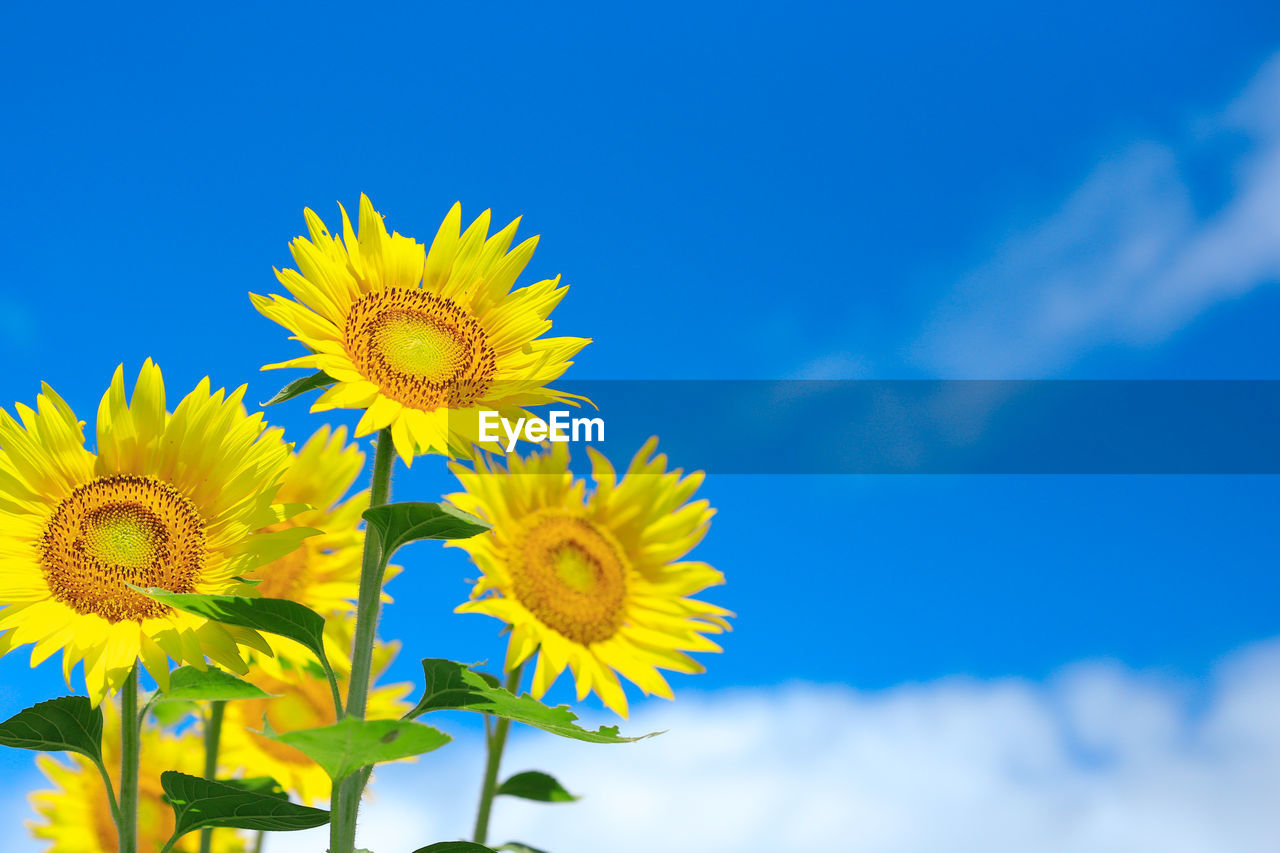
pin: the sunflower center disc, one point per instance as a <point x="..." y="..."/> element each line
<point x="570" y="574"/>
<point x="120" y="530"/>
<point x="422" y="350"/>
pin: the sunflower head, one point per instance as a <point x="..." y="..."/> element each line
<point x="593" y="582"/>
<point x="174" y="501"/>
<point x="75" y="815"/>
<point x="412" y="335"/>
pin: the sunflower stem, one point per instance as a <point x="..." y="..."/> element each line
<point x="494" y="745"/>
<point x="212" y="738"/>
<point x="346" y="799"/>
<point x="334" y="690"/>
<point x="111" y="791"/>
<point x="130" y="739"/>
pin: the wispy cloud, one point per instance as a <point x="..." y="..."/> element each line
<point x="1099" y="758"/>
<point x="1126" y="259"/>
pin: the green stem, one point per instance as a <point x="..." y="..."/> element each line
<point x="372" y="569"/>
<point x="259" y="841"/>
<point x="333" y="688"/>
<point x="111" y="791"/>
<point x="212" y="737"/>
<point x="337" y="818"/>
<point x="494" y="745"/>
<point x="130" y="739"/>
<point x="346" y="800"/>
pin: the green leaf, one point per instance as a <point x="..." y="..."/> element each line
<point x="188" y="684"/>
<point x="517" y="847"/>
<point x="399" y="524"/>
<point x="273" y="615"/>
<point x="259" y="785"/>
<point x="454" y="686"/>
<point x="535" y="785"/>
<point x="199" y="803"/>
<point x="344" y="747"/>
<point x="454" y="847"/>
<point x="172" y="713"/>
<point x="300" y="386"/>
<point x="70" y="724"/>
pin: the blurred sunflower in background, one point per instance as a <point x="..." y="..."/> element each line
<point x="302" y="700"/>
<point x="595" y="583"/>
<point x="323" y="572"/>
<point x="173" y="501"/>
<point x="75" y="815"/>
<point x="411" y="335"/>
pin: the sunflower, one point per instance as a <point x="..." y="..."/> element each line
<point x="76" y="815"/>
<point x="301" y="700"/>
<point x="422" y="340"/>
<point x="169" y="500"/>
<point x="596" y="582"/>
<point x="324" y="571"/>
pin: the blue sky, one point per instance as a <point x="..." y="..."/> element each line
<point x="731" y="192"/>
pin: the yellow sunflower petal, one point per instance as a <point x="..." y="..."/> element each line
<point x="413" y="334"/>
<point x="168" y="502"/>
<point x="592" y="583"/>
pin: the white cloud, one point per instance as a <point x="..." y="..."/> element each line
<point x="1097" y="759"/>
<point x="1126" y="259"/>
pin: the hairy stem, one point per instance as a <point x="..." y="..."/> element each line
<point x="130" y="738"/>
<point x="212" y="739"/>
<point x="111" y="791"/>
<point x="494" y="745"/>
<point x="345" y="805"/>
